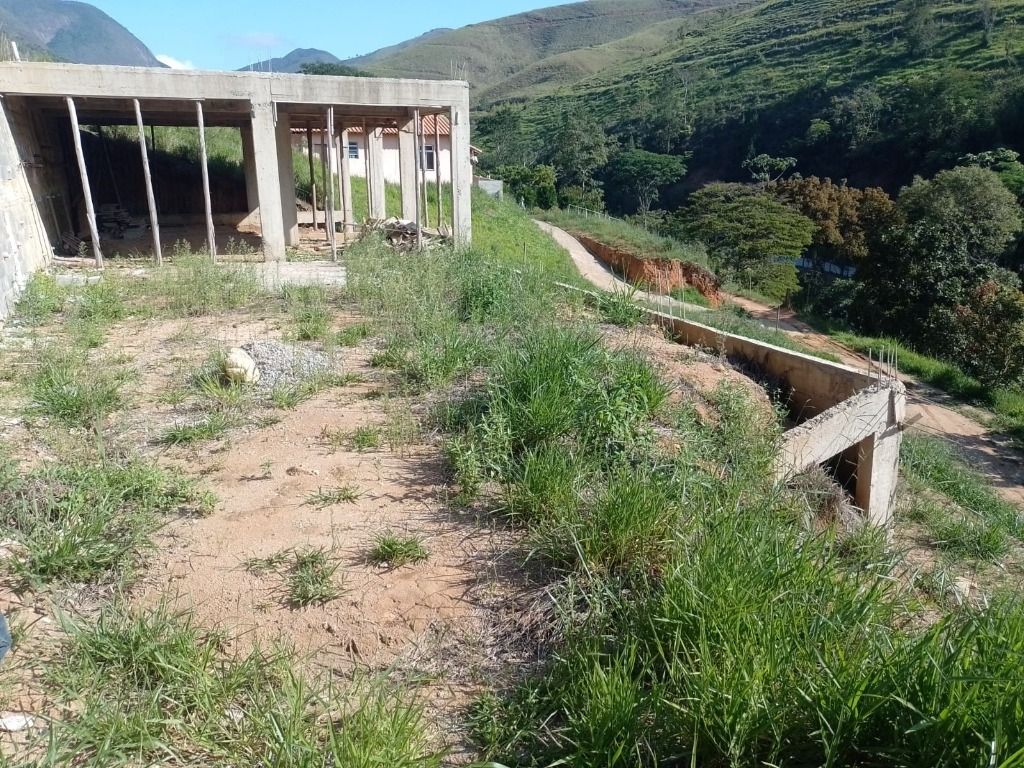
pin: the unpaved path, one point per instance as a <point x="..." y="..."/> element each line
<point x="930" y="410"/>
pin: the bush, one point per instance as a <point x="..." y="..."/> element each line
<point x="533" y="186"/>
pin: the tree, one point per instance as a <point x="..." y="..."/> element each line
<point x="332" y="70"/>
<point x="919" y="26"/>
<point x="667" y="119"/>
<point x="988" y="16"/>
<point x="750" y="234"/>
<point x="578" y="149"/>
<point x="953" y="231"/>
<point x="533" y="186"/>
<point x="505" y="138"/>
<point x="991" y="330"/>
<point x="766" y="169"/>
<point x="1004" y="162"/>
<point x="644" y="173"/>
<point x="849" y="221"/>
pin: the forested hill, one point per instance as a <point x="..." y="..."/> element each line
<point x="489" y="53"/>
<point x="874" y="91"/>
<point x="70" y="31"/>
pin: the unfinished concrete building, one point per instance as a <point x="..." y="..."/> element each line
<point x="50" y="193"/>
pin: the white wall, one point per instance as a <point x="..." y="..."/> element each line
<point x="391" y="157"/>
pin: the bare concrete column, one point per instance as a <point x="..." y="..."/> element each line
<point x="346" y="184"/>
<point x="268" y="182"/>
<point x="878" y="465"/>
<point x="462" y="176"/>
<point x="375" y="175"/>
<point x="407" y="163"/>
<point x="286" y="173"/>
<point x="252" y="192"/>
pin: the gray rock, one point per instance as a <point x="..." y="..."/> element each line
<point x="286" y="364"/>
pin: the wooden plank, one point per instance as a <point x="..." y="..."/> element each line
<point x="312" y="175"/>
<point x="341" y="182"/>
<point x="154" y="221"/>
<point x="211" y="233"/>
<point x="90" y="210"/>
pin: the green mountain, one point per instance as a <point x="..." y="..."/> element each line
<point x="873" y="91"/>
<point x="293" y="62"/>
<point x="62" y="30"/>
<point x="490" y="53"/>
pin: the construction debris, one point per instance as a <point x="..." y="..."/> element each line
<point x="402" y="235"/>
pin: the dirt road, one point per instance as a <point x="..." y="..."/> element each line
<point x="930" y="411"/>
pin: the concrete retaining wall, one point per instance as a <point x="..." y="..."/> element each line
<point x="24" y="246"/>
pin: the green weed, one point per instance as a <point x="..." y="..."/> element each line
<point x="329" y="497"/>
<point x="311" y="580"/>
<point x="210" y="427"/>
<point x="65" y="387"/>
<point x="394" y="551"/>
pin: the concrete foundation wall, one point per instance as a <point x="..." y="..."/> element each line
<point x="24" y="245"/>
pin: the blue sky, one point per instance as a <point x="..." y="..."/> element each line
<point x="228" y="34"/>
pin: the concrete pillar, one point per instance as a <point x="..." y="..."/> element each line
<point x="286" y="173"/>
<point x="346" y="184"/>
<point x="252" y="191"/>
<point x="407" y="161"/>
<point x="462" y="176"/>
<point x="878" y="465"/>
<point x="375" y="178"/>
<point x="268" y="182"/>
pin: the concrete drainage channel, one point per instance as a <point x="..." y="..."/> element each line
<point x="848" y="419"/>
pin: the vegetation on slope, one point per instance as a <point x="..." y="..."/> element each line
<point x="75" y="32"/>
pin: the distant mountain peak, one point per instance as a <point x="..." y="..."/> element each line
<point x="71" y="31"/>
<point x="292" y="63"/>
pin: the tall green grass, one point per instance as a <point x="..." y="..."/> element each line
<point x="696" y="619"/>
<point x="171" y="694"/>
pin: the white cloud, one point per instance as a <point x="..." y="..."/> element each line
<point x="174" y="63"/>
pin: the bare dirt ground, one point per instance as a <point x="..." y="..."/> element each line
<point x="432" y="624"/>
<point x="929" y="410"/>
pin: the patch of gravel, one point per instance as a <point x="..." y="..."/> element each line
<point x="286" y="364"/>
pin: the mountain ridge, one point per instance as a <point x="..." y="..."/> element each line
<point x="76" y="32"/>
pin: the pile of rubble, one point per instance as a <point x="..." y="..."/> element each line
<point x="401" y="234"/>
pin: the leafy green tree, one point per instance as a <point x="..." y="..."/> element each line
<point x="533" y="186"/>
<point x="751" y="235"/>
<point x="668" y="120"/>
<point x="505" y="138"/>
<point x="919" y="26"/>
<point x="644" y="173"/>
<point x="332" y="70"/>
<point x="1004" y="162"/>
<point x="766" y="169"/>
<point x="991" y="330"/>
<point x="954" y="230"/>
<point x="578" y="149"/>
<point x="859" y="115"/>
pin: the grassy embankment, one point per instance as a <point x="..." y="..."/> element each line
<point x="693" y="618"/>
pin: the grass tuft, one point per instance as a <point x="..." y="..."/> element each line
<point x="395" y="551"/>
<point x="329" y="497"/>
<point x="311" y="580"/>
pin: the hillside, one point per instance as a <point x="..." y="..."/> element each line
<point x="69" y="31"/>
<point x="851" y="88"/>
<point x="293" y="62"/>
<point x="491" y="52"/>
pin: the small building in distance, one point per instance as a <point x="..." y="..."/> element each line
<point x="435" y="155"/>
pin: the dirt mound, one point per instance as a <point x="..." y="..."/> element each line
<point x="656" y="275"/>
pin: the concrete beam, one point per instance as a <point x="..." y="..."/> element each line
<point x="264" y="136"/>
<point x="375" y="177"/>
<point x="407" y="162"/>
<point x="286" y="174"/>
<point x="53" y="79"/>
